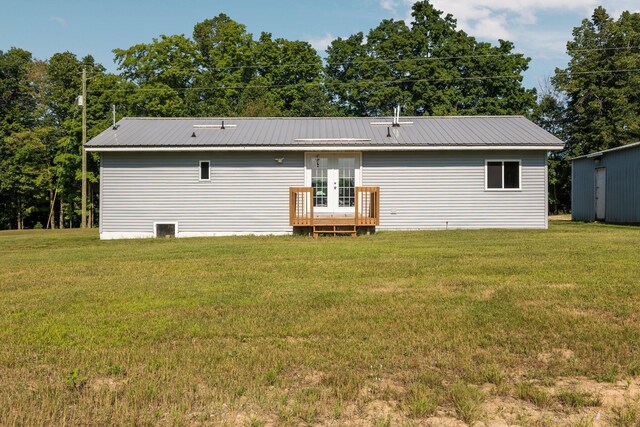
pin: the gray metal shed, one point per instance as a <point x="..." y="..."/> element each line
<point x="606" y="186"/>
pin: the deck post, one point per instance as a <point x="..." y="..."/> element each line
<point x="357" y="215"/>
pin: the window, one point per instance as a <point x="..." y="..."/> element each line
<point x="166" y="229"/>
<point x="502" y="175"/>
<point x="204" y="170"/>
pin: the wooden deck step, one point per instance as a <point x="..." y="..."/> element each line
<point x="334" y="229"/>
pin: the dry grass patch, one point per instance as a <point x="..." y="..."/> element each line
<point x="467" y="402"/>
<point x="533" y="394"/>
<point x="577" y="399"/>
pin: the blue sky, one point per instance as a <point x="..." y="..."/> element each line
<point x="539" y="28"/>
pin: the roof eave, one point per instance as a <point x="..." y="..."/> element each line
<point x="250" y="148"/>
<point x="601" y="153"/>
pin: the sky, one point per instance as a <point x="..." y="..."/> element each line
<point x="539" y="29"/>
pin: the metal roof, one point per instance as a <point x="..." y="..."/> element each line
<point x="600" y="153"/>
<point x="298" y="133"/>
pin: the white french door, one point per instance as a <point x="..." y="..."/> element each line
<point x="334" y="178"/>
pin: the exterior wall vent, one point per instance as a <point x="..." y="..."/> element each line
<point x="165" y="229"/>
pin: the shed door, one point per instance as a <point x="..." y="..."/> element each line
<point x="601" y="185"/>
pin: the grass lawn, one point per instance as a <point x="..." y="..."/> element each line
<point x="528" y="326"/>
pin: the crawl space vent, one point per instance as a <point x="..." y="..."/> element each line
<point x="165" y="230"/>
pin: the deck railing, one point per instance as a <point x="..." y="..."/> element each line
<point x="301" y="206"/>
<point x="367" y="206"/>
<point x="366" y="210"/>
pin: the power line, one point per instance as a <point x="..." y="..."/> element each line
<point x="371" y="59"/>
<point x="353" y="83"/>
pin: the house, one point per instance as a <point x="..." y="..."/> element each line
<point x="605" y="186"/>
<point x="209" y="177"/>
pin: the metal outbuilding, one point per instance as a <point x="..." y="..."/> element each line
<point x="606" y="186"/>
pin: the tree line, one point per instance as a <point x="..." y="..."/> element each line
<point x="430" y="67"/>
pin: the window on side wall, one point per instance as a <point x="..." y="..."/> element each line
<point x="502" y="175"/>
<point x="205" y="170"/>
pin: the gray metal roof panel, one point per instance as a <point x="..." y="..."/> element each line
<point x="600" y="153"/>
<point x="249" y="132"/>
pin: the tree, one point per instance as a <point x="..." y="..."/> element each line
<point x="292" y="72"/>
<point x="223" y="71"/>
<point x="550" y="114"/>
<point x="17" y="114"/>
<point x="24" y="171"/>
<point x="227" y="65"/>
<point x="169" y="60"/>
<point x="16" y="98"/>
<point x="603" y="97"/>
<point x="431" y="68"/>
<point x="595" y="102"/>
<point x="162" y="70"/>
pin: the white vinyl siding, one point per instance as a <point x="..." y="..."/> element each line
<point x="437" y="190"/>
<point x="248" y="193"/>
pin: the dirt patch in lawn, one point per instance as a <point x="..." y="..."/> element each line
<point x="570" y="402"/>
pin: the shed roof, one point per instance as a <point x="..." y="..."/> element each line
<point x="600" y="153"/>
<point x="337" y="132"/>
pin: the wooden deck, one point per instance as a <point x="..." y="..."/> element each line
<point x="366" y="213"/>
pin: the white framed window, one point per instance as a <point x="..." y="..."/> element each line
<point x="502" y="175"/>
<point x="205" y="170"/>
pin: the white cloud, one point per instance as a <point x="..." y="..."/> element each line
<point x="616" y="7"/>
<point x="321" y="43"/>
<point x="506" y="17"/>
<point x="491" y="27"/>
<point x="60" y="21"/>
<point x="495" y="19"/>
<point x="388" y="4"/>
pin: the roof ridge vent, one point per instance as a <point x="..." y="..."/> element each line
<point x="220" y="126"/>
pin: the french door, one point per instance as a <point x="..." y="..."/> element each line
<point x="334" y="177"/>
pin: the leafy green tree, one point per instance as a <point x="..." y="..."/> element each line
<point x="226" y="64"/>
<point x="550" y="114"/>
<point x="169" y="60"/>
<point x="155" y="100"/>
<point x="16" y="99"/>
<point x="431" y="68"/>
<point x="603" y="96"/>
<point x="17" y="114"/>
<point x="293" y="71"/>
<point x="24" y="171"/>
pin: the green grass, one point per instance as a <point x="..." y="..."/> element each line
<point x="288" y="330"/>
<point x="577" y="399"/>
<point x="466" y="400"/>
<point x="530" y="393"/>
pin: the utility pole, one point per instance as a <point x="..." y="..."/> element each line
<point x="83" y="223"/>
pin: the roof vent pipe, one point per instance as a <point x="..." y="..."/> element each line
<point x="388" y="132"/>
<point x="193" y="135"/>
<point x="396" y="117"/>
<point x="113" y="109"/>
<point x="222" y="127"/>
